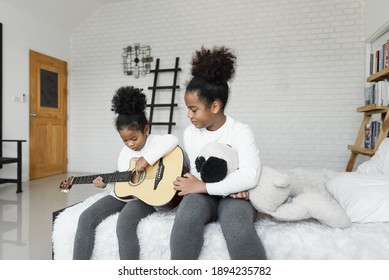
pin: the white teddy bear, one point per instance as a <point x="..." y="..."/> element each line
<point x="275" y="194"/>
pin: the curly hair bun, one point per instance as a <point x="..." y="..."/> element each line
<point x="214" y="66"/>
<point x="129" y="101"/>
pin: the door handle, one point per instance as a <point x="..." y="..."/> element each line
<point x="33" y="115"/>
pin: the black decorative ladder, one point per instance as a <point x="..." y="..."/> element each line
<point x="154" y="89"/>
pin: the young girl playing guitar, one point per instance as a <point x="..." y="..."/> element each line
<point x="129" y="104"/>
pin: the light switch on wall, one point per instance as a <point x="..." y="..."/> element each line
<point x="20" y="99"/>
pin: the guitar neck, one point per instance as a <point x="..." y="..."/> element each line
<point x="124" y="176"/>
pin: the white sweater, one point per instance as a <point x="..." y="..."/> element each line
<point x="156" y="147"/>
<point x="240" y="137"/>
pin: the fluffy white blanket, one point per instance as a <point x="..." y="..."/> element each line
<point x="282" y="240"/>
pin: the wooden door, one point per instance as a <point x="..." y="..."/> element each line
<point x="48" y="115"/>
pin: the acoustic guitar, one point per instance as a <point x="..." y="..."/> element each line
<point x="154" y="185"/>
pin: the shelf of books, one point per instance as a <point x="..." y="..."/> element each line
<point x="374" y="129"/>
<point x="377" y="93"/>
<point x="379" y="62"/>
<point x="375" y="123"/>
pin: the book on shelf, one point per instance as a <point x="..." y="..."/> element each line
<point x="376" y="59"/>
<point x="373" y="134"/>
<point x="367" y="136"/>
<point x="379" y="58"/>
<point x="386" y="54"/>
<point x="382" y="57"/>
<point x="372" y="130"/>
<point x="385" y="93"/>
<point x="368" y="94"/>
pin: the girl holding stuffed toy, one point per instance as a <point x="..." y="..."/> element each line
<point x="206" y="97"/>
<point x="129" y="104"/>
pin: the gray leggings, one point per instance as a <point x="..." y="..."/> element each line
<point x="236" y="218"/>
<point x="130" y="215"/>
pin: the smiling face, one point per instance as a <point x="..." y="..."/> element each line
<point x="202" y="115"/>
<point x="134" y="139"/>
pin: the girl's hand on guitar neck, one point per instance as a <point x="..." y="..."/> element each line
<point x="98" y="182"/>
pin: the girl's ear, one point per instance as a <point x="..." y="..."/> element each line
<point x="216" y="106"/>
<point x="146" y="130"/>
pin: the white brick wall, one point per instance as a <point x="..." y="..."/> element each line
<point x="299" y="79"/>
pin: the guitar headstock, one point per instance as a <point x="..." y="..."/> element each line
<point x="67" y="184"/>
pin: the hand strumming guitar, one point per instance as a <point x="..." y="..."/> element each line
<point x="141" y="164"/>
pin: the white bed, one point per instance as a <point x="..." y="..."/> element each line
<point x="304" y="240"/>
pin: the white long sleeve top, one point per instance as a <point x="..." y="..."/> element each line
<point x="156" y="147"/>
<point x="240" y="137"/>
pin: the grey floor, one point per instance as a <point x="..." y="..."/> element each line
<point x="26" y="218"/>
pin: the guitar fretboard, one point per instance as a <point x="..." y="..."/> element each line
<point x="124" y="176"/>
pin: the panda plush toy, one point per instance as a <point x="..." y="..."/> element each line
<point x="215" y="161"/>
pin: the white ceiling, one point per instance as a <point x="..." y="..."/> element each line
<point x="64" y="14"/>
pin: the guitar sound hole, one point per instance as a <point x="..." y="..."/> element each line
<point x="137" y="178"/>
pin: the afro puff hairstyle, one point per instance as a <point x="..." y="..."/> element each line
<point x="129" y="104"/>
<point x="211" y="71"/>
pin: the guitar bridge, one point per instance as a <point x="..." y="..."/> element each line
<point x="159" y="175"/>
